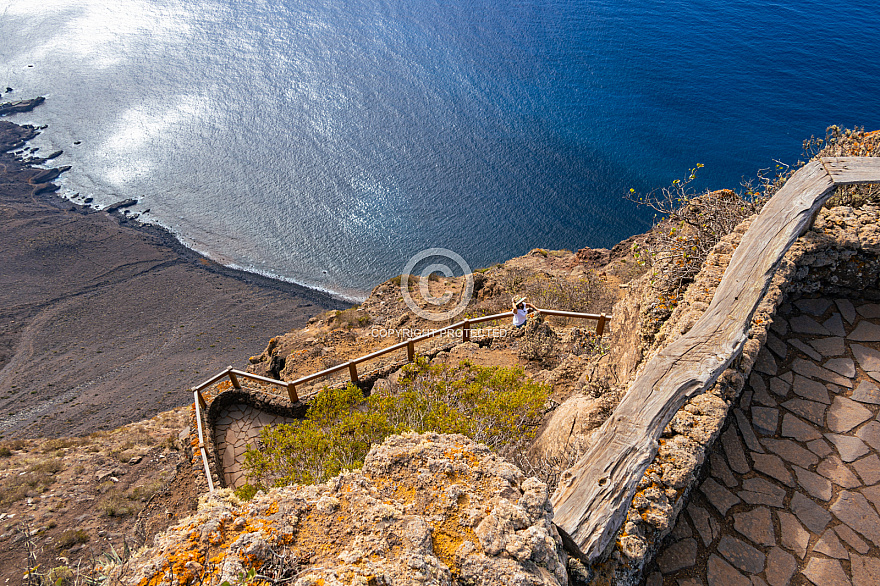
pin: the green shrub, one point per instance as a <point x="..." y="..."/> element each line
<point x="690" y="225"/>
<point x="5" y="452"/>
<point x="350" y="318"/>
<point x="246" y="492"/>
<point x="70" y="538"/>
<point x="497" y="406"/>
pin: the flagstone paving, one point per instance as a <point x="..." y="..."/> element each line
<point x="793" y="490"/>
<point x="238" y="427"/>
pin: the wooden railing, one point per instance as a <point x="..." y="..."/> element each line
<point x="199" y="402"/>
<point x="465" y="326"/>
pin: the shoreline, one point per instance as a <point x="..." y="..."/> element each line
<point x="168" y="236"/>
<point x="105" y="320"/>
<point x="172" y="240"/>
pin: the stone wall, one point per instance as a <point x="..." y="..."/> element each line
<point x="838" y="256"/>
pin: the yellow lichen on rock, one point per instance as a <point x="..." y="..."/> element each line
<point x="426" y="509"/>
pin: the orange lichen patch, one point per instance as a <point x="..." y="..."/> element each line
<point x="320" y="534"/>
<point x="467" y="456"/>
<point x="406" y="495"/>
<point x="210" y="559"/>
<point x="447" y="537"/>
<point x="224" y="386"/>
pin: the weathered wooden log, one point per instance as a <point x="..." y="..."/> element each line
<point x="593" y="496"/>
<point x="849" y="170"/>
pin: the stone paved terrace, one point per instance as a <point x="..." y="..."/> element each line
<point x="237" y="427"/>
<point x="793" y="490"/>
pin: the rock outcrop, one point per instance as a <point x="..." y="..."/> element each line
<point x="20" y="106"/>
<point x="425" y="509"/>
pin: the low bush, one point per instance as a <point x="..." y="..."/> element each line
<point x="117" y="505"/>
<point x="61" y="576"/>
<point x="690" y="225"/>
<point x="246" y="492"/>
<point x="497" y="406"/>
<point x="53" y="445"/>
<point x="350" y="318"/>
<point x="851" y="143"/>
<point x="586" y="294"/>
<point x="122" y="503"/>
<point x="143" y="492"/>
<point x="70" y="538"/>
<point x="513" y="279"/>
<point x="37" y="479"/>
<point x="48" y="466"/>
<point x="13" y="445"/>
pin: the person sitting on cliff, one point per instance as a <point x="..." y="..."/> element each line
<point x="521" y="312"/>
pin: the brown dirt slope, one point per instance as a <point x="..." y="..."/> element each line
<point x="72" y="501"/>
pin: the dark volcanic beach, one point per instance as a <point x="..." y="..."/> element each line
<point x="103" y="320"/>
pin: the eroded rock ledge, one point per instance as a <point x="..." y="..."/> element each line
<point x="425" y="509"/>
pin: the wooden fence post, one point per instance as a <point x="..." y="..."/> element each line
<point x="466" y="331"/>
<point x="201" y="400"/>
<point x="600" y="325"/>
<point x="291" y="392"/>
<point x="234" y="379"/>
<point x="410" y="351"/>
<point x="353" y="371"/>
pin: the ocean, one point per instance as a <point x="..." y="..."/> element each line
<point x="326" y="142"/>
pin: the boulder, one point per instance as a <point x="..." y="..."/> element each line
<point x="425" y="509"/>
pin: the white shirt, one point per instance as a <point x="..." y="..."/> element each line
<point x="520" y="316"/>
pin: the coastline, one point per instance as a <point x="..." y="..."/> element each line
<point x="105" y="320"/>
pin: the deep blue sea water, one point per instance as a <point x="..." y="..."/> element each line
<point x="327" y="141"/>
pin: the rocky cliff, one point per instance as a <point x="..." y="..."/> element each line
<point x="425" y="509"/>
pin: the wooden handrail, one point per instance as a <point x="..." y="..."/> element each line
<point x="573" y="314"/>
<point x="380" y="352"/>
<point x="212" y="380"/>
<point x="479" y="320"/>
<point x="325" y="372"/>
<point x="199" y="402"/>
<point x="351" y="365"/>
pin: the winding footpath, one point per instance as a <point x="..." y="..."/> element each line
<point x="238" y="427"/>
<point x="793" y="490"/>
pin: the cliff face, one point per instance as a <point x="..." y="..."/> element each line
<point x="425" y="509"/>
